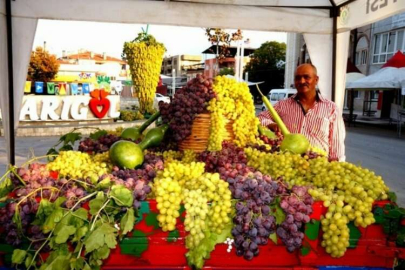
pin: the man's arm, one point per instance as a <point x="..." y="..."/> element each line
<point x="266" y="119"/>
<point x="337" y="134"/>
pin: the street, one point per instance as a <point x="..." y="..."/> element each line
<point x="374" y="147"/>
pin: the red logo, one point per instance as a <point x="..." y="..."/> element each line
<point x="99" y="100"/>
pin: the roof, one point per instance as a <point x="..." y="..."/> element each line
<point x="397" y="61"/>
<point x="90" y="56"/>
<point x="232" y="50"/>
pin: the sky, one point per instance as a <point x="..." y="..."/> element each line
<point x="110" y="37"/>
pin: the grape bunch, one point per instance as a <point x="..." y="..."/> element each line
<point x="189" y="101"/>
<point x="100" y="145"/>
<point x="230" y="161"/>
<point x="253" y="221"/>
<point x="233" y="102"/>
<point x="298" y="207"/>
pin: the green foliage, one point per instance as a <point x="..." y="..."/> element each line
<point x="43" y="66"/>
<point x="78" y="239"/>
<point x="129" y="116"/>
<point x="263" y="66"/>
<point x="226" y="71"/>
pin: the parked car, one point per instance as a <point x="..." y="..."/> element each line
<point x="160" y="97"/>
<point x="279" y="94"/>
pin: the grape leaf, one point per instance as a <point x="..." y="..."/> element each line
<point x="63" y="235"/>
<point x="66" y="147"/>
<point x="59" y="263"/>
<point x="96" y="203"/>
<point x="80" y="233"/>
<point x="52" y="151"/>
<point x="79" y="264"/>
<point x="28" y="260"/>
<point x="17" y="220"/>
<point x="273" y="237"/>
<point x="18" y="256"/>
<point x="96" y="135"/>
<point x="44" y="210"/>
<point x="6" y="186"/>
<point x="103" y="252"/>
<point x="104" y="234"/>
<point x="127" y="221"/>
<point x="392" y="196"/>
<point x="71" y="137"/>
<point x="122" y="196"/>
<point x="52" y="219"/>
<point x="277" y="212"/>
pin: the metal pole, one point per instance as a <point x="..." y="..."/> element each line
<point x="335" y="12"/>
<point x="173" y="82"/>
<point x="10" y="82"/>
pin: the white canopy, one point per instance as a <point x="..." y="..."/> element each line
<point x="353" y="76"/>
<point x="310" y="17"/>
<point x="385" y="78"/>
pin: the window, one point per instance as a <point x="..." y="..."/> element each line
<point x="364" y="57"/>
<point x="356" y="94"/>
<point x="386" y="44"/>
<point x="274" y="97"/>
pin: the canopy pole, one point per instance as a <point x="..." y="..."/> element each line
<point x="334" y="14"/>
<point x="10" y="82"/>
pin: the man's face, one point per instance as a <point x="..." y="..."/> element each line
<point x="305" y="79"/>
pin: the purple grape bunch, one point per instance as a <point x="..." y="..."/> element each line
<point x="298" y="207"/>
<point x="253" y="221"/>
<point x="189" y="101"/>
<point x="100" y="145"/>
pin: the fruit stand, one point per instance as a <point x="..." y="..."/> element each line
<point x="208" y="187"/>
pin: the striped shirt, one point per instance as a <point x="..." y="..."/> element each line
<point x="323" y="124"/>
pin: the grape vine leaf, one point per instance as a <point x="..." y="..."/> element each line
<point x="122" y="196"/>
<point x="63" y="235"/>
<point x="127" y="221"/>
<point x="273" y="237"/>
<point x="70" y="137"/>
<point x="103" y="252"/>
<point x="17" y="220"/>
<point x="96" y="204"/>
<point x="277" y="212"/>
<point x="392" y="196"/>
<point x="59" y="263"/>
<point x="18" y="256"/>
<point x="80" y="233"/>
<point x="104" y="234"/>
<point x="6" y="186"/>
<point x="52" y="219"/>
<point x="66" y="147"/>
<point x="44" y="210"/>
<point x="79" y="264"/>
<point x="96" y="135"/>
<point x="28" y="260"/>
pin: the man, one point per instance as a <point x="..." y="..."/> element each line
<point x="312" y="115"/>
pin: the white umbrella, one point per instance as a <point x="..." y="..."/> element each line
<point x="388" y="77"/>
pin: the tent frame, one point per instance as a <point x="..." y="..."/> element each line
<point x="334" y="10"/>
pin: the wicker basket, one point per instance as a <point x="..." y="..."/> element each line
<point x="200" y="132"/>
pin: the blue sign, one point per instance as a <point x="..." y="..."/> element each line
<point x="39" y="87"/>
<point x="86" y="88"/>
<point x="74" y="89"/>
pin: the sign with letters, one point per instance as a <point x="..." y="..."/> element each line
<point x="68" y="108"/>
<point x="360" y="13"/>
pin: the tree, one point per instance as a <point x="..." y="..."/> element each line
<point x="43" y="66"/>
<point x="267" y="65"/>
<point x="226" y="71"/>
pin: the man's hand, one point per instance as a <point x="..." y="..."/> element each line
<point x="273" y="127"/>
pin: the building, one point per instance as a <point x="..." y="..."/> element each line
<point x="85" y="66"/>
<point x="213" y="66"/>
<point x="179" y="63"/>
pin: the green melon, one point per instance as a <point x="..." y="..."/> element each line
<point x="126" y="154"/>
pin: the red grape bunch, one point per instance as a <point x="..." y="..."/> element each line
<point x="187" y="102"/>
<point x="298" y="207"/>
